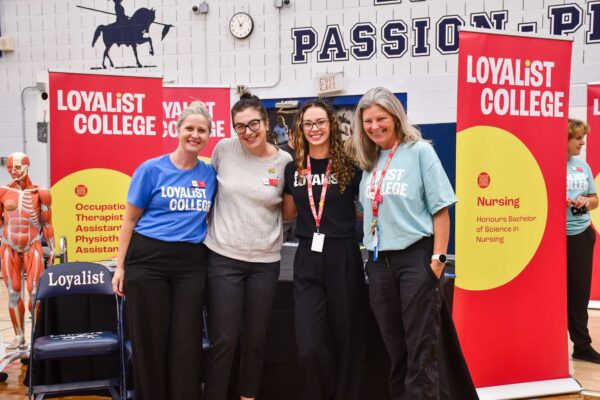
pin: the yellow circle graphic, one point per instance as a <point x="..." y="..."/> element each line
<point x="90" y="219"/>
<point x="501" y="219"/>
<point x="595" y="214"/>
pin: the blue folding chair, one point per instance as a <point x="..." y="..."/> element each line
<point x="69" y="279"/>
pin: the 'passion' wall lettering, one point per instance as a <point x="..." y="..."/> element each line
<point x="394" y="38"/>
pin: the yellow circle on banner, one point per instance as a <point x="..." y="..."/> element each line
<point x="595" y="214"/>
<point x="87" y="208"/>
<point x="502" y="207"/>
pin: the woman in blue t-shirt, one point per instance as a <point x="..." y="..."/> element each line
<point x="405" y="194"/>
<point x="581" y="198"/>
<point x="161" y="265"/>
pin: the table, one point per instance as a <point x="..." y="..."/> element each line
<point x="281" y="372"/>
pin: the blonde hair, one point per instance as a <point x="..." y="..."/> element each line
<point x="195" y="107"/>
<point x="367" y="151"/>
<point x="577" y="125"/>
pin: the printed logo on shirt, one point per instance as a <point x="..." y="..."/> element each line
<point x="577" y="181"/>
<point x="186" y="198"/>
<point x="198" y="184"/>
<point x="317" y="179"/>
<point x="392" y="184"/>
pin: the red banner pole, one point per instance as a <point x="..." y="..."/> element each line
<point x="593" y="159"/>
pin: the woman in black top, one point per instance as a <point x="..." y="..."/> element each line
<point x="329" y="285"/>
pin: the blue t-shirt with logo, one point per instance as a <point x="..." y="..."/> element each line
<point x="580" y="182"/>
<point x="175" y="202"/>
<point x="414" y="188"/>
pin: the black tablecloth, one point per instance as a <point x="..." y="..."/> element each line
<point x="281" y="376"/>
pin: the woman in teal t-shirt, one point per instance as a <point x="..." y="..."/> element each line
<point x="405" y="194"/>
<point x="581" y="198"/>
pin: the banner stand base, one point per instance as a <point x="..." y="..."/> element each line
<point x="594" y="304"/>
<point x="530" y="389"/>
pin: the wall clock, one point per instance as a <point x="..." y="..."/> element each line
<point x="241" y="25"/>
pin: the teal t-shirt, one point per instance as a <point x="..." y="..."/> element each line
<point x="580" y="182"/>
<point x="414" y="188"/>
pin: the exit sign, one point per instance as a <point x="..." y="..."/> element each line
<point x="330" y="82"/>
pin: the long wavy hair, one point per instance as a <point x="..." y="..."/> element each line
<point x="366" y="151"/>
<point x="341" y="165"/>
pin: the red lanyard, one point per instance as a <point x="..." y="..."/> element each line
<point x="376" y="190"/>
<point x="311" y="198"/>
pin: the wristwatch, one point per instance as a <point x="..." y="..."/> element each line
<point x="441" y="258"/>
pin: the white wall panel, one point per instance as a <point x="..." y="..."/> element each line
<point x="200" y="49"/>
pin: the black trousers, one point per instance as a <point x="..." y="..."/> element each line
<point x="164" y="285"/>
<point x="580" y="253"/>
<point x="330" y="301"/>
<point x="240" y="299"/>
<point x="405" y="297"/>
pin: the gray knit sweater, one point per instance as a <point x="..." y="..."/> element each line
<point x="246" y="217"/>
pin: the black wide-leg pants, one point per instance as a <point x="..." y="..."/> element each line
<point x="240" y="299"/>
<point x="164" y="285"/>
<point x="330" y="301"/>
<point x="405" y="297"/>
<point x="580" y="253"/>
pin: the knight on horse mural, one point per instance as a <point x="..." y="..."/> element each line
<point x="129" y="31"/>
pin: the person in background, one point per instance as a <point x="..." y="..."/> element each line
<point x="345" y="126"/>
<point x="244" y="238"/>
<point x="281" y="131"/>
<point x="161" y="263"/>
<point x="581" y="199"/>
<point x="405" y="194"/>
<point x="329" y="284"/>
<point x="289" y="147"/>
<point x="289" y="226"/>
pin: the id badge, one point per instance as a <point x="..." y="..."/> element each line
<point x="317" y="242"/>
<point x="375" y="246"/>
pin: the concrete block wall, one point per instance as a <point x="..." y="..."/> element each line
<point x="199" y="50"/>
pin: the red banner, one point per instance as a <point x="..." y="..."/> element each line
<point x="510" y="300"/>
<point x="102" y="128"/>
<point x="176" y="99"/>
<point x="103" y="121"/>
<point x="593" y="159"/>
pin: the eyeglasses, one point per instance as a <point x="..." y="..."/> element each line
<point x="320" y="123"/>
<point x="253" y="125"/>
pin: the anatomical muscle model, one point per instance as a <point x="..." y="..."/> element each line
<point x="25" y="214"/>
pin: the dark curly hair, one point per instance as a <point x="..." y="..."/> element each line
<point x="341" y="164"/>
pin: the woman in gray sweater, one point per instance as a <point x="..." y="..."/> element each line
<point x="244" y="238"/>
